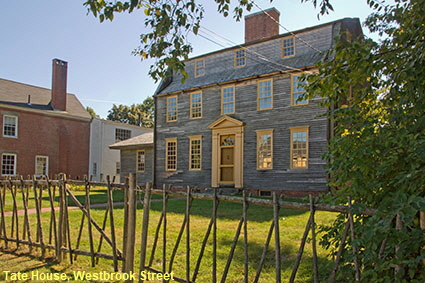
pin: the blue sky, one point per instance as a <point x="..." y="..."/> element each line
<point x="101" y="68"/>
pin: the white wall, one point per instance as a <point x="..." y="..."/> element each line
<point x="102" y="134"/>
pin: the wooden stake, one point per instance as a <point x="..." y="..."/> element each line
<point x="130" y="224"/>
<point x="339" y="254"/>
<point x="245" y="236"/>
<point x="145" y="227"/>
<point x="277" y="236"/>
<point x="39" y="223"/>
<point x="313" y="243"/>
<point x="263" y="255"/>
<point x="87" y="207"/>
<point x="353" y="238"/>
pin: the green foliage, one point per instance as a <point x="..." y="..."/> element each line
<point x="91" y="112"/>
<point x="136" y="114"/>
<point x="375" y="93"/>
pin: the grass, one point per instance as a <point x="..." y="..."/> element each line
<point x="292" y="225"/>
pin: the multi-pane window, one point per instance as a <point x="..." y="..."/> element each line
<point x="299" y="147"/>
<point x="122" y="134"/>
<point x="265" y="149"/>
<point x="41" y="165"/>
<point x="171" y="108"/>
<point x="228" y="99"/>
<point x="265" y="94"/>
<point x="140" y="161"/>
<point x="240" y="58"/>
<point x="94" y="169"/>
<point x="288" y="46"/>
<point x="8" y="164"/>
<point x="297" y="90"/>
<point x="196" y="105"/>
<point x="10" y="126"/>
<point x="117" y="167"/>
<point x="195" y="153"/>
<point x="199" y="67"/>
<point x="171" y="154"/>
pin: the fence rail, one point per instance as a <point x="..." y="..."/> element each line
<point x="58" y="236"/>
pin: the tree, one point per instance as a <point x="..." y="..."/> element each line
<point x="91" y="112"/>
<point x="136" y="114"/>
<point x="378" y="154"/>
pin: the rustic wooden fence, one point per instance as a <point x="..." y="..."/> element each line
<point x="59" y="240"/>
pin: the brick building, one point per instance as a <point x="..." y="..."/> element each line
<point x="237" y="121"/>
<point x="44" y="132"/>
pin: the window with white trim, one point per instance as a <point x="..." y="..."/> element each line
<point x="264" y="149"/>
<point x="41" y="165"/>
<point x="10" y="126"/>
<point x="171" y="154"/>
<point x="265" y="94"/>
<point x="299" y="148"/>
<point x="195" y="149"/>
<point x="297" y="90"/>
<point x="228" y="100"/>
<point x="196" y="105"/>
<point x="8" y="164"/>
<point x="140" y="161"/>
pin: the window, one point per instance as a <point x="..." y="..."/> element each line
<point x="140" y="167"/>
<point x="195" y="153"/>
<point x="41" y="165"/>
<point x="171" y="154"/>
<point x="199" y="67"/>
<point x="297" y="90"/>
<point x="299" y="147"/>
<point x="10" y="126"/>
<point x="288" y="46"/>
<point x="196" y="105"/>
<point x="94" y="170"/>
<point x="122" y="134"/>
<point x="172" y="109"/>
<point x="228" y="100"/>
<point x="265" y="94"/>
<point x="240" y="58"/>
<point x="117" y="168"/>
<point x="264" y="149"/>
<point x="8" y="164"/>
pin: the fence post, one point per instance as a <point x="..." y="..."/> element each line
<point x="145" y="226"/>
<point x="62" y="227"/>
<point x="130" y="226"/>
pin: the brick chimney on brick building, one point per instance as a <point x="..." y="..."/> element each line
<point x="259" y="25"/>
<point x="59" y="76"/>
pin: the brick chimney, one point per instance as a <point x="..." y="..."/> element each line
<point x="259" y="25"/>
<point x="59" y="75"/>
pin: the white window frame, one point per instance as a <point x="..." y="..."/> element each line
<point x="47" y="165"/>
<point x="16" y="126"/>
<point x="14" y="163"/>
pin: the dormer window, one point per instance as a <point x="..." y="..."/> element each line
<point x="240" y="58"/>
<point x="199" y="67"/>
<point x="288" y="46"/>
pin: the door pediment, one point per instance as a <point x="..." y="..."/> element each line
<point x="226" y="122"/>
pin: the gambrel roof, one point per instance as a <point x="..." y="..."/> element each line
<point x="260" y="67"/>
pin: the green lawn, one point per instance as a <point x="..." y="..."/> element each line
<point x="292" y="225"/>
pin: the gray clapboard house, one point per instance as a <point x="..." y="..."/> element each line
<point x="237" y="120"/>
